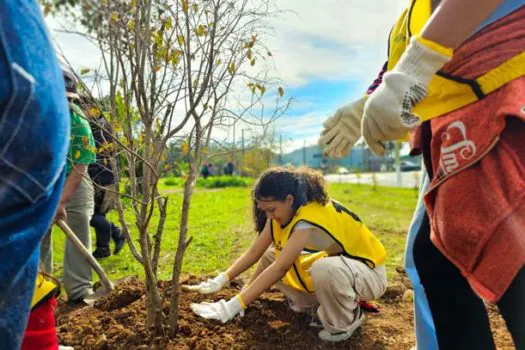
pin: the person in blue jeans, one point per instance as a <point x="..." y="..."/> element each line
<point x="423" y="321"/>
<point x="34" y="133"/>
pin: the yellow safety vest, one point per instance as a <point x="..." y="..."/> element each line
<point x="44" y="289"/>
<point x="447" y="93"/>
<point x="354" y="238"/>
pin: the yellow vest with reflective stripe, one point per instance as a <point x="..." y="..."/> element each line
<point x="347" y="230"/>
<point x="43" y="289"/>
<point x="447" y="93"/>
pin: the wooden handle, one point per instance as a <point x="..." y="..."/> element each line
<point x="87" y="255"/>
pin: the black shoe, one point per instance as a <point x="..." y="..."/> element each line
<point x="74" y="303"/>
<point x="101" y="253"/>
<point x="80" y="301"/>
<point x="119" y="244"/>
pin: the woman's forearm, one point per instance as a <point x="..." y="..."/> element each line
<point x="243" y="263"/>
<point x="72" y="182"/>
<point x="256" y="274"/>
<point x="455" y="20"/>
<point x="263" y="282"/>
<point x="251" y="256"/>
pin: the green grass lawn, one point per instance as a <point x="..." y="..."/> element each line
<point x="221" y="226"/>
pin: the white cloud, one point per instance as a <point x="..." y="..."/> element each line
<point x="300" y="130"/>
<point x="78" y="50"/>
<point x="333" y="39"/>
<point x="298" y="143"/>
<point x="343" y="21"/>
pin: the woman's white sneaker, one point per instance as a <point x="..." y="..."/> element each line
<point x="337" y="337"/>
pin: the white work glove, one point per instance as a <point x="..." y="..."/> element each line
<point x="222" y="310"/>
<point x="343" y="129"/>
<point x="388" y="111"/>
<point x="210" y="286"/>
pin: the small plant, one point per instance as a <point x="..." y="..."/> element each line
<point x="224" y="181"/>
<point x="375" y="181"/>
<point x="212" y="182"/>
<point x="174" y="182"/>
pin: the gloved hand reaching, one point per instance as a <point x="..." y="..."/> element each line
<point x="222" y="310"/>
<point x="343" y="129"/>
<point x="388" y="111"/>
<point x="210" y="286"/>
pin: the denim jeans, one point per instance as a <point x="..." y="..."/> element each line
<point x="424" y="324"/>
<point x="34" y="133"/>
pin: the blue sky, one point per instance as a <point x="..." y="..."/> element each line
<point x="325" y="52"/>
<point x="314" y="102"/>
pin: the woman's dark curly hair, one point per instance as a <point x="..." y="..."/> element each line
<point x="304" y="184"/>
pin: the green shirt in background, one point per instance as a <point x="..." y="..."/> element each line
<point x="82" y="146"/>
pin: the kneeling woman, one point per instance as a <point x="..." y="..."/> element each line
<point x="313" y="249"/>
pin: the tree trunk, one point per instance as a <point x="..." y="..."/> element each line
<point x="181" y="249"/>
<point x="154" y="308"/>
<point x="153" y="300"/>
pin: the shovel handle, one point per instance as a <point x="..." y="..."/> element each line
<point x="85" y="253"/>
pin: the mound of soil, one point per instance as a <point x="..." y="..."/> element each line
<point x="118" y="321"/>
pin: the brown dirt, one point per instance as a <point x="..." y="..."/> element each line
<point x="119" y="322"/>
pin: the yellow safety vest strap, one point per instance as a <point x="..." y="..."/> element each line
<point x="503" y="74"/>
<point x="451" y="93"/>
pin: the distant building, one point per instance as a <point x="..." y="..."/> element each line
<point x="359" y="159"/>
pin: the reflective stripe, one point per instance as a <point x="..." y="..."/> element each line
<point x="503" y="74"/>
<point x="450" y="92"/>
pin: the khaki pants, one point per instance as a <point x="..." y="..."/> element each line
<point x="340" y="283"/>
<point x="78" y="274"/>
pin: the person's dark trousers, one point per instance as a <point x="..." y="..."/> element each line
<point x="105" y="230"/>
<point x="459" y="315"/>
